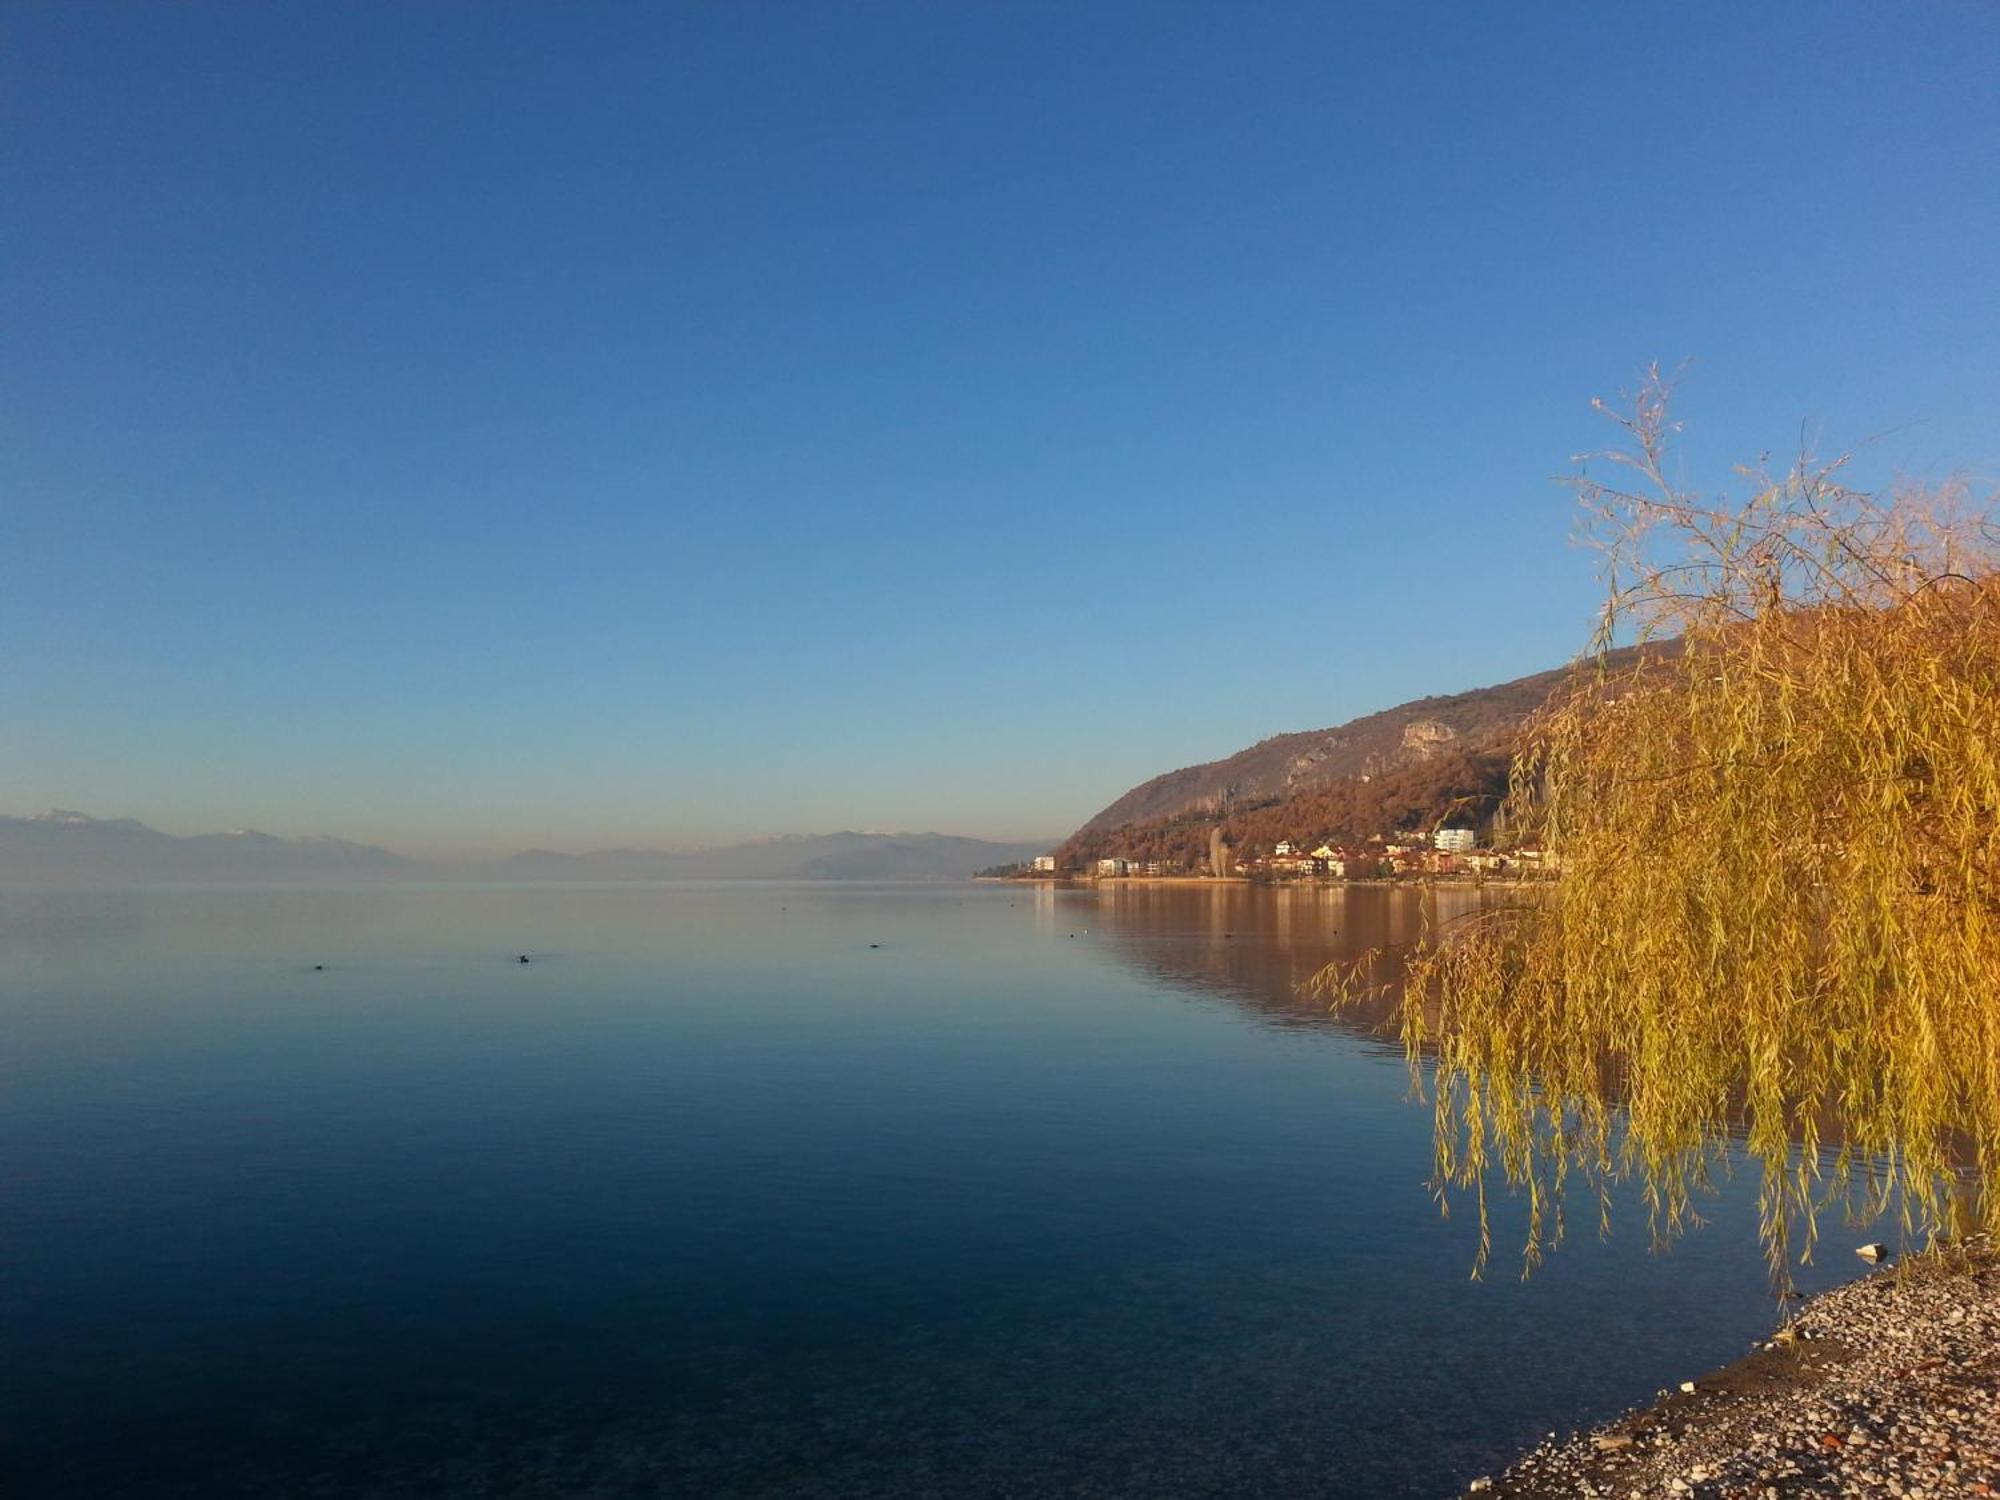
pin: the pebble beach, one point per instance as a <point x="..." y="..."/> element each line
<point x="1888" y="1386"/>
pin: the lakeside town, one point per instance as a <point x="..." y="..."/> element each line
<point x="1449" y="852"/>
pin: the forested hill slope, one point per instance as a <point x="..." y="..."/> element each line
<point x="1444" y="739"/>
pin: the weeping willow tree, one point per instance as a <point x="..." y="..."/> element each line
<point x="1777" y="913"/>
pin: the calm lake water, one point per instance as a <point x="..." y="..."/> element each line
<point x="1051" y="1193"/>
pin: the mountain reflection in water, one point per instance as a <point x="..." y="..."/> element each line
<point x="1262" y="946"/>
<point x="1522" y="1098"/>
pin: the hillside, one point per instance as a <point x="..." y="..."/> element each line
<point x="1459" y="787"/>
<point x="1400" y="767"/>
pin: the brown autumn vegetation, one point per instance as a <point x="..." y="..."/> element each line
<point x="1286" y="765"/>
<point x="1457" y="787"/>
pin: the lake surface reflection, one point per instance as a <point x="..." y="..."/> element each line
<point x="1051" y="1193"/>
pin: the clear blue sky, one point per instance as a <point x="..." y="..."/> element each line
<point x="468" y="426"/>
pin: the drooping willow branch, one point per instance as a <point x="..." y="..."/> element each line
<point x="1778" y="843"/>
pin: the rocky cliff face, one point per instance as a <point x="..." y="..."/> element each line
<point x="1424" y="738"/>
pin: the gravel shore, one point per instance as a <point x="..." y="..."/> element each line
<point x="1889" y="1386"/>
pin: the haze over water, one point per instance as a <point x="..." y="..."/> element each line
<point x="1052" y="1193"/>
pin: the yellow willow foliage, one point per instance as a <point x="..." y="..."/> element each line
<point x="1776" y="916"/>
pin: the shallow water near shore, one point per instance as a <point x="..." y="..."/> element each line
<point x="1055" y="1192"/>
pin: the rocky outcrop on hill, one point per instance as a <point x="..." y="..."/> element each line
<point x="1424" y="738"/>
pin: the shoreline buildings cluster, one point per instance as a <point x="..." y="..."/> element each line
<point x="1444" y="851"/>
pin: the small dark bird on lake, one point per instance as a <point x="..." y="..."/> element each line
<point x="523" y="958"/>
<point x="319" y="968"/>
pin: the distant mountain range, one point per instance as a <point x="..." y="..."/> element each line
<point x="71" y="848"/>
<point x="826" y="856"/>
<point x="64" y="848"/>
